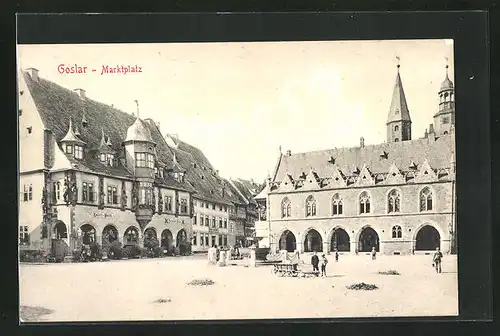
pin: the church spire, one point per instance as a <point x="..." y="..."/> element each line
<point x="398" y="119"/>
<point x="399" y="108"/>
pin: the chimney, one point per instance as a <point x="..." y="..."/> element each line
<point x="361" y="142"/>
<point x="288" y="152"/>
<point x="217" y="172"/>
<point x="431" y="129"/>
<point x="81" y="93"/>
<point x="33" y="73"/>
<point x="426" y="134"/>
<point x="176" y="137"/>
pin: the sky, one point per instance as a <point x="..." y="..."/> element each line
<point x="240" y="102"/>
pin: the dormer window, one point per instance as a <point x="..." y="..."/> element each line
<point x="156" y="171"/>
<point x="111" y="159"/>
<point x="69" y="149"/>
<point x="102" y="157"/>
<point x="78" y="152"/>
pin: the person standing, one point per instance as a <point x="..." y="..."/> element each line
<point x="374" y="253"/>
<point x="324" y="262"/>
<point x="438" y="256"/>
<point x="315" y="263"/>
<point x="336" y="255"/>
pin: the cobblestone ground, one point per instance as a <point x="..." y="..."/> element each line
<point x="157" y="289"/>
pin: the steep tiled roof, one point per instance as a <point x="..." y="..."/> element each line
<point x="438" y="153"/>
<point x="57" y="105"/>
<point x="247" y="188"/>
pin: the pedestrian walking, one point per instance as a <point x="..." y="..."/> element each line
<point x="374" y="253"/>
<point x="324" y="262"/>
<point x="336" y="255"/>
<point x="436" y="260"/>
<point x="315" y="263"/>
<point x="217" y="253"/>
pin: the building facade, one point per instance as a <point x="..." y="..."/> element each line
<point x="90" y="172"/>
<point x="397" y="197"/>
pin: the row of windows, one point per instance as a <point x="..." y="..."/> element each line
<point x="214" y="222"/>
<point x="145" y="160"/>
<point x="364" y="202"/>
<point x="213" y="206"/>
<point x="204" y="240"/>
<point x="145" y="195"/>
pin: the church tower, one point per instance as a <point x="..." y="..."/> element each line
<point x="444" y="119"/>
<point x="398" y="120"/>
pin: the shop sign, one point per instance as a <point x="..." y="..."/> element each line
<point x="174" y="221"/>
<point x="101" y="215"/>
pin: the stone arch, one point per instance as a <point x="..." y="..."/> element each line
<point x="287" y="241"/>
<point x="181" y="237"/>
<point x="88" y="233"/>
<point x="60" y="230"/>
<point x="339" y="239"/>
<point x="429" y="239"/>
<point x="312" y="240"/>
<point x="367" y="238"/>
<point x="166" y="239"/>
<point x="110" y="234"/>
<point x="131" y="236"/>
<point x="150" y="232"/>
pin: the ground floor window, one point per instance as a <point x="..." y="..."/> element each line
<point x="225" y="240"/>
<point x="220" y="240"/>
<point x="24" y="237"/>
<point x="195" y="242"/>
<point x="206" y="240"/>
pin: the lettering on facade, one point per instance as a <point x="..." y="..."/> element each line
<point x="102" y="215"/>
<point x="174" y="221"/>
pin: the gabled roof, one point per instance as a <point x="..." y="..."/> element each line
<point x="403" y="154"/>
<point x="399" y="107"/>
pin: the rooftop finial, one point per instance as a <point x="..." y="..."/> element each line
<point x="137" y="104"/>
<point x="398" y="59"/>
<point x="447" y="65"/>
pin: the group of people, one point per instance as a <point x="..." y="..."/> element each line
<point x="316" y="262"/>
<point x="214" y="253"/>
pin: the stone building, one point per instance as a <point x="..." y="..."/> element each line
<point x="397" y="197"/>
<point x="90" y="172"/>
